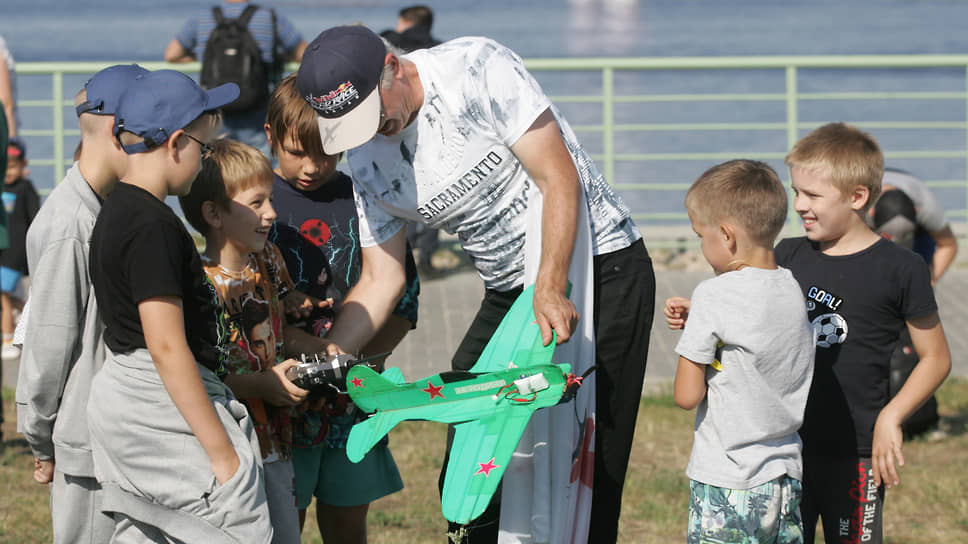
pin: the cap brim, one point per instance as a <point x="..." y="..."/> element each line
<point x="352" y="129"/>
<point x="221" y="95"/>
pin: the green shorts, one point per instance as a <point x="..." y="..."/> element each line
<point x="333" y="479"/>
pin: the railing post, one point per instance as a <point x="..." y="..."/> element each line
<point x="793" y="133"/>
<point x="57" y="95"/>
<point x="608" y="125"/>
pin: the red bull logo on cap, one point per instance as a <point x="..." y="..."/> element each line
<point x="334" y="102"/>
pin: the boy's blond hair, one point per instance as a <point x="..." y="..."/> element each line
<point x="290" y="118"/>
<point x="746" y="192"/>
<point x="843" y="154"/>
<point x="232" y="168"/>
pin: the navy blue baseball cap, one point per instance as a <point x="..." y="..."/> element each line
<point x="158" y="103"/>
<point x="339" y="76"/>
<point x="105" y="87"/>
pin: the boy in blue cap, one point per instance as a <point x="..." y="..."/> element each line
<point x="173" y="449"/>
<point x="63" y="345"/>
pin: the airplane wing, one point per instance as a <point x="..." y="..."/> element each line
<point x="478" y="457"/>
<point x="517" y="339"/>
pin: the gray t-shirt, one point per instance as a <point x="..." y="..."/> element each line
<point x="755" y="323"/>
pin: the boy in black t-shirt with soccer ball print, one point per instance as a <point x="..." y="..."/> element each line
<point x="861" y="291"/>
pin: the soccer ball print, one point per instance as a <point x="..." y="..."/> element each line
<point x="830" y="329"/>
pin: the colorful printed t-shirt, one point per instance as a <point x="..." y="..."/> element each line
<point x="318" y="235"/>
<point x="251" y="302"/>
<point x="452" y="167"/>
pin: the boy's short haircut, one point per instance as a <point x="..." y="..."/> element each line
<point x="744" y="191"/>
<point x="232" y="168"/>
<point x="290" y="118"/>
<point x="847" y="156"/>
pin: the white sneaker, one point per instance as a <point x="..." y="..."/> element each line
<point x="10" y="351"/>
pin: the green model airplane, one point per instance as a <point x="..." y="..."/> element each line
<point x="490" y="405"/>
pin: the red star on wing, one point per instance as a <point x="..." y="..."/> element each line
<point x="433" y="390"/>
<point x="357" y="382"/>
<point x="486" y="468"/>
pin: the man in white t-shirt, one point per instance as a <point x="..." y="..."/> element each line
<point x="459" y="137"/>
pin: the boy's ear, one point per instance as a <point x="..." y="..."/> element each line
<point x="859" y="197"/>
<point x="729" y="235"/>
<point x="211" y="214"/>
<point x="171" y="144"/>
<point x="268" y="130"/>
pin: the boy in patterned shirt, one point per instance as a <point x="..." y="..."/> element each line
<point x="230" y="204"/>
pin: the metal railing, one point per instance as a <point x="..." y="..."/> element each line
<point x="621" y="103"/>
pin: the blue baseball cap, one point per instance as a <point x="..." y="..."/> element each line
<point x="156" y="104"/>
<point x="105" y="87"/>
<point x="339" y="76"/>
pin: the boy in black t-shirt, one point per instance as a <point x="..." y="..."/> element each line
<point x="861" y="291"/>
<point x="172" y="448"/>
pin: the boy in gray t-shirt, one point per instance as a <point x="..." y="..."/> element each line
<point x="746" y="361"/>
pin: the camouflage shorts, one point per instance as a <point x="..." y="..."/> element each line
<point x="769" y="513"/>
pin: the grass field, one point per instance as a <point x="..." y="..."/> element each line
<point x="930" y="505"/>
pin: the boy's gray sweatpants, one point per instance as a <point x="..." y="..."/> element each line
<point x="156" y="476"/>
<point x="75" y="507"/>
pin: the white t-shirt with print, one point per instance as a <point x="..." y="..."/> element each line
<point x="452" y="167"/>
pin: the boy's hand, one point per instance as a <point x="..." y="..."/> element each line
<point x="676" y="311"/>
<point x="886" y="455"/>
<point x="279" y="391"/>
<point x="43" y="471"/>
<point x="226" y="468"/>
<point x="300" y="305"/>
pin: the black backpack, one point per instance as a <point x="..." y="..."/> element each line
<point x="233" y="56"/>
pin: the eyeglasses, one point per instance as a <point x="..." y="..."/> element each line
<point x="206" y="149"/>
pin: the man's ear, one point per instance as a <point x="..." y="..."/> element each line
<point x="211" y="214"/>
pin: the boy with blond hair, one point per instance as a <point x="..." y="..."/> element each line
<point x="231" y="205"/>
<point x="159" y="396"/>
<point x="861" y="291"/>
<point x="63" y="344"/>
<point x="746" y="362"/>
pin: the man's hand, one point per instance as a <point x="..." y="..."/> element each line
<point x="886" y="455"/>
<point x="554" y="311"/>
<point x="299" y="305"/>
<point x="43" y="471"/>
<point x="278" y="390"/>
<point x="676" y="311"/>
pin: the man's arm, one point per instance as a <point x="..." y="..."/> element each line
<point x="163" y="323"/>
<point x="935" y="363"/>
<point x="370" y="302"/>
<point x="944" y="253"/>
<point x="176" y="52"/>
<point x="543" y="154"/>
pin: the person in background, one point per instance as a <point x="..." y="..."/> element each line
<point x="932" y="236"/>
<point x="21" y="202"/>
<point x="278" y="40"/>
<point x="413" y="29"/>
<point x="3" y="222"/>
